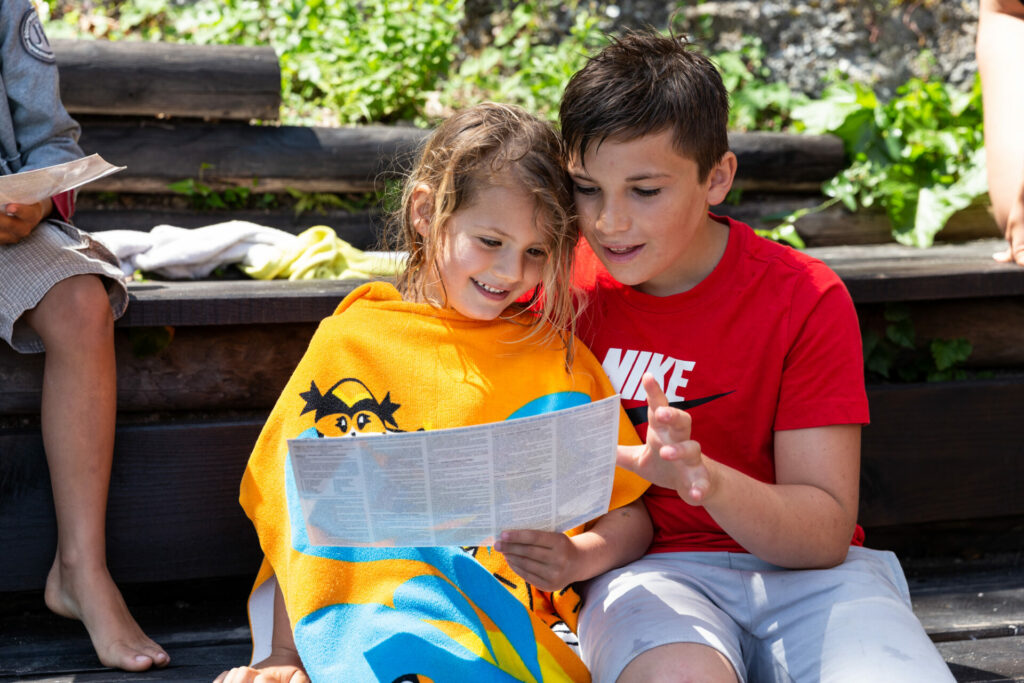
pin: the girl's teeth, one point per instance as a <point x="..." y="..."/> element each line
<point x="492" y="290"/>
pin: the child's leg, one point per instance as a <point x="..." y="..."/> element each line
<point x="660" y="618"/>
<point x="850" y="624"/>
<point x="78" y="416"/>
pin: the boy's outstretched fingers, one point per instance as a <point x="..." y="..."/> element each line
<point x="669" y="458"/>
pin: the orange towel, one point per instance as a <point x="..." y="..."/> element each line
<point x="382" y="364"/>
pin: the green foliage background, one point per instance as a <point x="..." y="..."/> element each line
<point x="918" y="156"/>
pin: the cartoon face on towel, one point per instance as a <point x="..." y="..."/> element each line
<point x="349" y="408"/>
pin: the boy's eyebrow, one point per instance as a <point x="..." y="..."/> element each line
<point x="631" y="179"/>
<point x="646" y="176"/>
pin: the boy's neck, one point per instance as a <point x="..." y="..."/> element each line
<point x="702" y="257"/>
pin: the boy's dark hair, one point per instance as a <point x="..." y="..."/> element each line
<point x="644" y="82"/>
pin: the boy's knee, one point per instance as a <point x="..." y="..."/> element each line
<point x="76" y="308"/>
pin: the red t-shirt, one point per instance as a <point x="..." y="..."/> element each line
<point x="768" y="341"/>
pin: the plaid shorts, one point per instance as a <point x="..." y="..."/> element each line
<point x="54" y="251"/>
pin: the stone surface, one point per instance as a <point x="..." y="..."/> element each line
<point x="874" y="41"/>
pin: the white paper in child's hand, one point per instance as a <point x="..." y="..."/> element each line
<point x="36" y="185"/>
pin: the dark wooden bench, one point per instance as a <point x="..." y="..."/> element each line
<point x="941" y="468"/>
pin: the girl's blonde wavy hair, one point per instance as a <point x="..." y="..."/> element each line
<point x="485" y="146"/>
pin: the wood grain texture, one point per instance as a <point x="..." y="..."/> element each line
<point x="233" y="302"/>
<point x="994" y="326"/>
<point x="893" y="272"/>
<point x="837" y="226"/>
<point x="772" y="160"/>
<point x="942" y="451"/>
<point x="264" y="158"/>
<point x="353" y="159"/>
<point x="173" y="511"/>
<point x="131" y="78"/>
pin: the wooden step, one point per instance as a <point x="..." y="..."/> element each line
<point x="873" y="274"/>
<point x="363" y="229"/>
<point x="893" y="272"/>
<point x="173" y="511"/>
<point x="942" y="451"/>
<point x="190" y="368"/>
<point x="203" y="627"/>
<point x="919" y="464"/>
<point x="262" y="158"/>
<point x="355" y="159"/>
<point x="156" y="79"/>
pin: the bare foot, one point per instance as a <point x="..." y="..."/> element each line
<point x="93" y="598"/>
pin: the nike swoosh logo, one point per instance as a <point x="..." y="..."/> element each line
<point x="638" y="415"/>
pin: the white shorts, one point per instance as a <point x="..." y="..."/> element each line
<point x="54" y="251"/>
<point x="849" y="623"/>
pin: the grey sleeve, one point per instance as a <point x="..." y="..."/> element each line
<point x="35" y="129"/>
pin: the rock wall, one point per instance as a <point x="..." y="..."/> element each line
<point x="875" y="41"/>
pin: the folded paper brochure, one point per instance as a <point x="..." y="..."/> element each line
<point x="461" y="486"/>
<point x="29" y="187"/>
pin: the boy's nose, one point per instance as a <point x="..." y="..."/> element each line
<point x="612" y="219"/>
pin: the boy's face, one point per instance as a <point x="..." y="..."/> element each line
<point x="644" y="212"/>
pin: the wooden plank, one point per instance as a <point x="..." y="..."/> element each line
<point x="957" y="541"/>
<point x="772" y="160"/>
<point x="971" y="605"/>
<point x="232" y="302"/>
<point x="991" y="660"/>
<point x="132" y="78"/>
<point x="993" y="326"/>
<point x="193" y="664"/>
<point x="201" y="369"/>
<point x="202" y="625"/>
<point x="313" y="159"/>
<point x="266" y="158"/>
<point x="362" y="230"/>
<point x="919" y="464"/>
<point x="892" y="272"/>
<point x="837" y="226"/>
<point x="942" y="451"/>
<point x="877" y="273"/>
<point x="219" y="367"/>
<point x="184" y="475"/>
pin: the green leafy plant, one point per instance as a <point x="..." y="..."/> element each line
<point x="755" y="101"/>
<point x="204" y="198"/>
<point x="373" y="60"/>
<point x="523" y="64"/>
<point x="322" y="202"/>
<point x="919" y="156"/>
<point x="896" y="353"/>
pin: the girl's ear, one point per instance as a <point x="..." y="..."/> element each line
<point x="421" y="207"/>
<point x="720" y="179"/>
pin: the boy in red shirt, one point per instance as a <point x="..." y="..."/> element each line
<point x="756" y="570"/>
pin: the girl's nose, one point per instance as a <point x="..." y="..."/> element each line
<point x="510" y="266"/>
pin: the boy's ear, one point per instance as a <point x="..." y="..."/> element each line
<point x="720" y="178"/>
<point x="421" y="207"/>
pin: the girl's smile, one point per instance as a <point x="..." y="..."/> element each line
<point x="492" y="254"/>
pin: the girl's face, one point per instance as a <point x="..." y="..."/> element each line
<point x="492" y="253"/>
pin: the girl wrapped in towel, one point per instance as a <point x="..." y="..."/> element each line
<point x="478" y="330"/>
